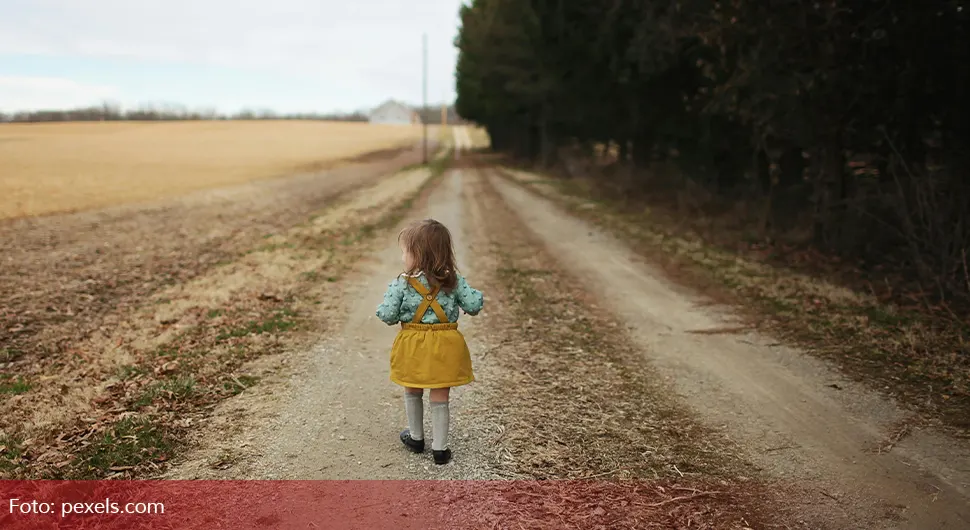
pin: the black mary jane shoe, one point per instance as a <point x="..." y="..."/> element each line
<point x="415" y="446"/>
<point x="442" y="457"/>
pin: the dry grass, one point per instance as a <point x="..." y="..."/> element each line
<point x="74" y="166"/>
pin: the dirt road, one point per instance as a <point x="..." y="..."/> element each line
<point x="668" y="390"/>
<point x="237" y="327"/>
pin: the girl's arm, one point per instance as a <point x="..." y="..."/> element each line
<point x="470" y="300"/>
<point x="390" y="309"/>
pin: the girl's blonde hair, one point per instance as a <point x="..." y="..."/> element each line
<point x="429" y="243"/>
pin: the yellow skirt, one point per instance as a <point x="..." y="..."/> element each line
<point x="430" y="356"/>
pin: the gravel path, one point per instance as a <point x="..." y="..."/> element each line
<point x="344" y="415"/>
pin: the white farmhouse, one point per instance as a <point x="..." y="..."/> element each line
<point x="394" y="112"/>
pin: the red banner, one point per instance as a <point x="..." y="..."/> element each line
<point x="399" y="505"/>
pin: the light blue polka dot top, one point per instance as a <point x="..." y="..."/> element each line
<point x="401" y="301"/>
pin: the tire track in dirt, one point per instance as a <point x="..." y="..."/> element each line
<point x="772" y="401"/>
<point x="338" y="415"/>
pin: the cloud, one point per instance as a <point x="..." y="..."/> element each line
<point x="38" y="93"/>
<point x="301" y="38"/>
<point x="282" y="54"/>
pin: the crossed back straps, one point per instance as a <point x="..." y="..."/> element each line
<point x="430" y="299"/>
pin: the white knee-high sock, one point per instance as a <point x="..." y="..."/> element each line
<point x="440" y="416"/>
<point x="414" y="407"/>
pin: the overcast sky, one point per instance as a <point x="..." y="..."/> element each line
<point x="286" y="55"/>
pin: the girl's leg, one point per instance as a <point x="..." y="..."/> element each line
<point x="414" y="407"/>
<point x="440" y="417"/>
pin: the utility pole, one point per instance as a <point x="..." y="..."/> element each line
<point x="424" y="90"/>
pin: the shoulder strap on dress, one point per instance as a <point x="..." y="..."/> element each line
<point x="430" y="299"/>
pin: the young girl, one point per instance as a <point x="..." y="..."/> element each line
<point x="429" y="351"/>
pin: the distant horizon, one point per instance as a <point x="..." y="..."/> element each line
<point x="176" y="107"/>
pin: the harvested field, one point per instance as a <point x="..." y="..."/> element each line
<point x="66" y="167"/>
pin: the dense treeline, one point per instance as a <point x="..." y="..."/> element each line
<point x="174" y="113"/>
<point x="848" y="117"/>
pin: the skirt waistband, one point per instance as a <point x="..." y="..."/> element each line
<point x="429" y="327"/>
